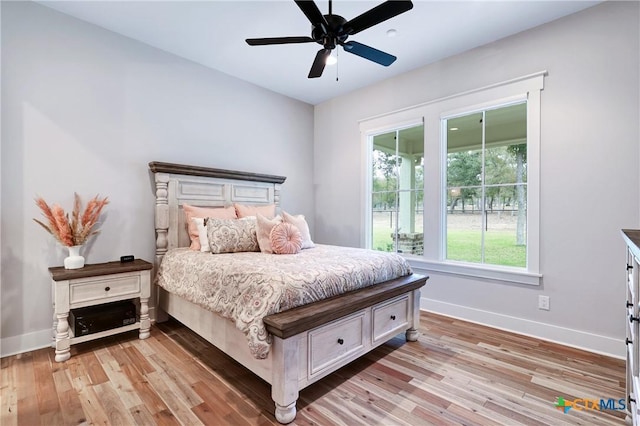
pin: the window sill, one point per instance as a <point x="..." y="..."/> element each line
<point x="503" y="274"/>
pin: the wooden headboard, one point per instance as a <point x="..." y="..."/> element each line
<point x="177" y="184"/>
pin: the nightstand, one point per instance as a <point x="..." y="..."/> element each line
<point x="93" y="285"/>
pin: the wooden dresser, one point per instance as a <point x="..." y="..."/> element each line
<point x="632" y="239"/>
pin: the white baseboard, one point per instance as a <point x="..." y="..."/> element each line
<point x="575" y="338"/>
<point x="37" y="340"/>
<point x="565" y="336"/>
<point x="26" y="342"/>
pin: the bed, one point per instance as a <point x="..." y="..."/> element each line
<point x="306" y="342"/>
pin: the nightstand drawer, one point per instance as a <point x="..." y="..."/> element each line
<point x="104" y="288"/>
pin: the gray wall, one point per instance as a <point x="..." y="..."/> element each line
<point x="86" y="110"/>
<point x="589" y="171"/>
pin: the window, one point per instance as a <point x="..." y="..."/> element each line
<point x="486" y="175"/>
<point x="463" y="200"/>
<point x="397" y="190"/>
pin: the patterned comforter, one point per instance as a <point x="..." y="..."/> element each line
<point x="246" y="287"/>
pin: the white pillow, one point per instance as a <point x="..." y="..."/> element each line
<point x="265" y="225"/>
<point x="299" y="222"/>
<point x="202" y="233"/>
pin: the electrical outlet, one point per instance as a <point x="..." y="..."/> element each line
<point x="543" y="302"/>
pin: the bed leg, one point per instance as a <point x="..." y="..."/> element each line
<point x="411" y="335"/>
<point x="286" y="414"/>
<point x="412" y="332"/>
<point x="284" y="384"/>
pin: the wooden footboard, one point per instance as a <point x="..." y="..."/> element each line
<point x="315" y="340"/>
<point x="312" y="341"/>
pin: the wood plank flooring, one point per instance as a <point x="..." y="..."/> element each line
<point x="457" y="373"/>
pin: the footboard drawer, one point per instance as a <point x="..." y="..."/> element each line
<point x="340" y="340"/>
<point x="390" y="318"/>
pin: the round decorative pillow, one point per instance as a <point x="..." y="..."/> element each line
<point x="285" y="239"/>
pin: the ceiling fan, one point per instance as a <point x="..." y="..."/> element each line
<point x="333" y="30"/>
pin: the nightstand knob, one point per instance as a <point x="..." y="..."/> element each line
<point x="340" y="341"/>
<point x="107" y="288"/>
<point x="393" y="317"/>
<point x="629" y="267"/>
<point x="629" y="304"/>
<point x="632" y="318"/>
<point x="627" y="341"/>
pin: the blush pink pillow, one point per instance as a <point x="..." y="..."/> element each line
<point x="243" y="210"/>
<point x="285" y="239"/>
<point x="216" y="212"/>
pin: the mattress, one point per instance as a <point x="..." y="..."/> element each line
<point x="246" y="287"/>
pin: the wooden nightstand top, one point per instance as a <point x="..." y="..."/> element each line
<point x="59" y="273"/>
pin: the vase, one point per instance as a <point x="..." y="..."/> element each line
<point x="74" y="260"/>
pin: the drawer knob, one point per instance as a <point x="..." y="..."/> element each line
<point x="631" y="399"/>
<point x="627" y="341"/>
<point x="632" y="318"/>
<point x="340" y="341"/>
<point x="107" y="288"/>
<point x="393" y="317"/>
<point x="629" y="267"/>
<point x="629" y="304"/>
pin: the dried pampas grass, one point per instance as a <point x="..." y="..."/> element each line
<point x="80" y="228"/>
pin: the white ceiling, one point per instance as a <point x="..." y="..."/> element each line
<point x="212" y="33"/>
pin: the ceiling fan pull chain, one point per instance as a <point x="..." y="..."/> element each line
<point x="337" y="64"/>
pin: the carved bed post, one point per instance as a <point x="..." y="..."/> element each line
<point x="162" y="228"/>
<point x="162" y="216"/>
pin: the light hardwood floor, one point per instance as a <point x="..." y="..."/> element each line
<point x="457" y="373"/>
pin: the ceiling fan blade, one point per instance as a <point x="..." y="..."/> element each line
<point x="312" y="13"/>
<point x="369" y="53"/>
<point x="380" y="13"/>
<point x="319" y="63"/>
<point x="277" y="40"/>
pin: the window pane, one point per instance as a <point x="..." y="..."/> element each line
<point x="505" y="227"/>
<point x="385" y="162"/>
<point x="464" y="133"/>
<point x="397" y="190"/>
<point x="486" y="187"/>
<point x="464" y="236"/>
<point x="506" y="126"/>
<point x="505" y="203"/>
<point x="383" y="221"/>
<point x="410" y="153"/>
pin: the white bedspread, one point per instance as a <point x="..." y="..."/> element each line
<point x="246" y="287"/>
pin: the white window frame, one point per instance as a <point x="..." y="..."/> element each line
<point x="431" y="114"/>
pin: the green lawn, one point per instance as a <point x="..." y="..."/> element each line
<point x="500" y="248"/>
<point x="464" y="245"/>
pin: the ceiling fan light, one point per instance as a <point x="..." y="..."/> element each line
<point x="331" y="60"/>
